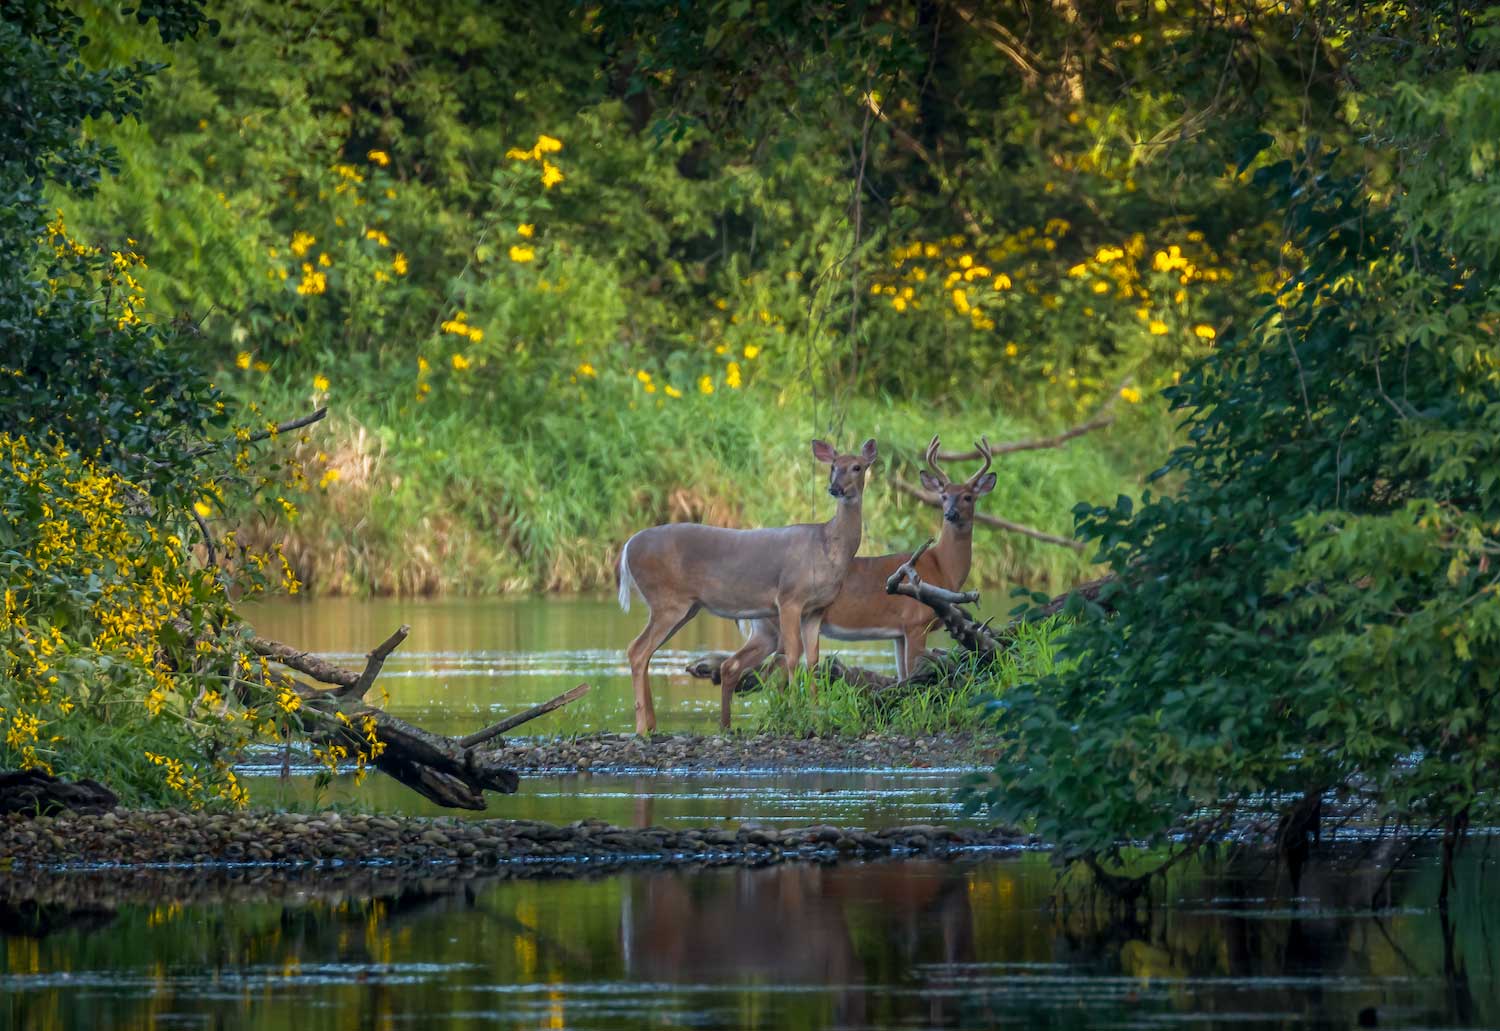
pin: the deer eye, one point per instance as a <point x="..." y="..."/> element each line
<point x="855" y="468"/>
<point x="968" y="497"/>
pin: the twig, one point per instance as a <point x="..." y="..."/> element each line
<point x="377" y="658"/>
<point x="989" y="520"/>
<point x="479" y="737"/>
<point x="1099" y="421"/>
<point x="285" y="427"/>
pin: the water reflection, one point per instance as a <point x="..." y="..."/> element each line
<point x="971" y="945"/>
<point x="468" y="661"/>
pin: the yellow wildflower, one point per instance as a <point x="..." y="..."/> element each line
<point x="643" y="376"/>
<point x="551" y="174"/>
<point x="751" y="351"/>
<point x="398" y="263"/>
<point x="1130" y="394"/>
<point x="522" y="254"/>
<point x="320" y="382"/>
<point x="380" y="157"/>
<point x="585" y="369"/>
<point x="460" y="362"/>
<point x="324" y="260"/>
<point x="262" y="366"/>
<point x="202" y="509"/>
<point x="732" y="375"/>
<point x="546" y="145"/>
<point x="1158" y="327"/>
<point x="526" y="229"/>
<point x="1011" y="350"/>
<point x="961" y="302"/>
<point x="422" y="366"/>
<point x="673" y="391"/>
<point x="242" y="359"/>
<point x="301" y="242"/>
<point x="1206" y="332"/>
<point x="705" y="385"/>
<point x="476" y="334"/>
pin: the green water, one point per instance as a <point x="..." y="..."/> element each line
<point x="467" y="664"/>
<point x="986" y="942"/>
<point x="471" y="662"/>
<point x="873" y="945"/>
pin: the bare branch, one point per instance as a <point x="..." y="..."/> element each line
<point x="1099" y="421"/>
<point x="372" y="667"/>
<point x="285" y="427"/>
<point x="510" y="722"/>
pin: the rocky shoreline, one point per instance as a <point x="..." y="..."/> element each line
<point x="134" y="839"/>
<point x="627" y="753"/>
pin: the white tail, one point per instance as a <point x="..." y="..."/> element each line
<point x="789" y="572"/>
<point x="626" y="580"/>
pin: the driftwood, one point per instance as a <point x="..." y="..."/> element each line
<point x="769" y="673"/>
<point x="453" y="772"/>
<point x="34" y="793"/>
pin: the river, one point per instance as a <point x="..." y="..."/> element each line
<point x="985" y="942"/>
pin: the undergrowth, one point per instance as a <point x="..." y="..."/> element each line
<point x="845" y="710"/>
<point x="475" y="498"/>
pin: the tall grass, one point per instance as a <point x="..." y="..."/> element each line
<point x="843" y="710"/>
<point x="463" y="496"/>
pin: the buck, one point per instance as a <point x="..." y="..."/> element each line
<point x="863" y="611"/>
<point x="789" y="574"/>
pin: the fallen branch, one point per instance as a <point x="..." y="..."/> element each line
<point x="948" y="605"/>
<point x="511" y="722"/>
<point x="451" y="772"/>
<point x="988" y="520"/>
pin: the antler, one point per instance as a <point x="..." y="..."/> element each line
<point x="930" y="457"/>
<point x="983" y="446"/>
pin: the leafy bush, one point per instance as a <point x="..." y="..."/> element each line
<point x="1316" y="609"/>
<point x="119" y="654"/>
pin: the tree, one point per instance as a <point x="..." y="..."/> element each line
<point x="1317" y="608"/>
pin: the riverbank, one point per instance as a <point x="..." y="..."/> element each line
<point x="747" y="753"/>
<point x="126" y="840"/>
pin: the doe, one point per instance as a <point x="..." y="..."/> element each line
<point x="789" y="574"/>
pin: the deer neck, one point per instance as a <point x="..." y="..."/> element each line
<point x="842" y="532"/>
<point x="954" y="554"/>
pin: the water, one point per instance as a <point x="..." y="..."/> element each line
<point x="980" y="943"/>
<point x="472" y="662"/>
<point x="879" y="945"/>
<point x="467" y="664"/>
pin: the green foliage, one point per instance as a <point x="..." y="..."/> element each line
<point x="845" y="710"/>
<point x="1318" y="607"/>
<point x="118" y="647"/>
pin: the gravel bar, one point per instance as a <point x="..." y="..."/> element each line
<point x="136" y="839"/>
<point x="732" y="753"/>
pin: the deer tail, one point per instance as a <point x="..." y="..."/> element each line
<point x="626" y="580"/>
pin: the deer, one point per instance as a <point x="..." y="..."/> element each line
<point x="863" y="611"/>
<point x="785" y="574"/>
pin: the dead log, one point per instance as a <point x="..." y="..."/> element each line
<point x="948" y="605"/>
<point x="450" y="771"/>
<point x="34" y="793"/>
<point x="770" y="672"/>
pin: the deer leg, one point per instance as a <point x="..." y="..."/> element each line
<point x="915" y="644"/>
<point x="900" y="644"/>
<point x="811" y="625"/>
<point x="664" y="622"/>
<point x="791" y="638"/>
<point x="750" y="655"/>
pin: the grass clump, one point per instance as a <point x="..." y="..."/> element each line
<point x="954" y="706"/>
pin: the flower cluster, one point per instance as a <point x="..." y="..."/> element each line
<point x="551" y="174"/>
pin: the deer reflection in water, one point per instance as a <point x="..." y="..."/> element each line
<point x="800" y="925"/>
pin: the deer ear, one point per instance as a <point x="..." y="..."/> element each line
<point x="984" y="484"/>
<point x="824" y="452"/>
<point x="931" y="482"/>
<point x="867" y="453"/>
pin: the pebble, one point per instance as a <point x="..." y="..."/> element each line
<point x="128" y="838"/>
